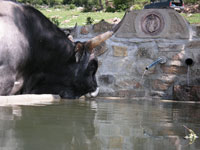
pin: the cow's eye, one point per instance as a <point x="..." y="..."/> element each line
<point x="92" y="68"/>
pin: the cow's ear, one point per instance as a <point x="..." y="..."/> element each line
<point x="78" y="51"/>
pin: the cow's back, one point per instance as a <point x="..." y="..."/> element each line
<point x="13" y="47"/>
<point x="14" y="44"/>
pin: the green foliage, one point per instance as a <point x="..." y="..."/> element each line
<point x="49" y="2"/>
<point x="55" y="20"/>
<point x="93" y="5"/>
<point x="90" y="5"/>
<point x="110" y="9"/>
<point x="191" y="1"/>
<point x="81" y="2"/>
<point x="137" y="7"/>
<point x="193" y="19"/>
<point x="72" y="6"/>
<point x="40" y="2"/>
<point x="89" y="20"/>
<point x="122" y="5"/>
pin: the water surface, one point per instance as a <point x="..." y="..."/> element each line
<point x="100" y="125"/>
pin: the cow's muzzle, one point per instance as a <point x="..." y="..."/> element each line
<point x="93" y="94"/>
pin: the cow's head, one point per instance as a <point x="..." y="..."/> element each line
<point x="85" y="67"/>
<point x="86" y="64"/>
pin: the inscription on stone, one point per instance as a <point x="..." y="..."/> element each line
<point x="152" y="23"/>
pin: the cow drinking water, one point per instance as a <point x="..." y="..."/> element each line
<point x="36" y="57"/>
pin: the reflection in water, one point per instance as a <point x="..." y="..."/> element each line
<point x="100" y="125"/>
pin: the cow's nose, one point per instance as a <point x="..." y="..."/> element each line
<point x="93" y="94"/>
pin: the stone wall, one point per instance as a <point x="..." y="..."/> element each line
<point x="144" y="36"/>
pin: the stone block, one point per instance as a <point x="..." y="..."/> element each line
<point x="138" y="93"/>
<point x="147" y="50"/>
<point x="119" y="51"/>
<point x="85" y="30"/>
<point x="175" y="63"/>
<point x="198" y="30"/>
<point x="107" y="94"/>
<point x="186" y="93"/>
<point x="178" y="56"/>
<point x="157" y="93"/>
<point x="170" y="47"/>
<point x="193" y="44"/>
<point x="122" y="93"/>
<point x="160" y="85"/>
<point x="174" y="70"/>
<point x="143" y="52"/>
<point x="130" y="93"/>
<point x="102" y="26"/>
<point x="116" y="142"/>
<point x="128" y="84"/>
<point x="106" y="79"/>
<point x="197" y="72"/>
<point x="167" y="78"/>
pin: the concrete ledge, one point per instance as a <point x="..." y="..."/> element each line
<point x="28" y="99"/>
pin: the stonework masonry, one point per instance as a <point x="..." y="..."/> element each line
<point x="144" y="36"/>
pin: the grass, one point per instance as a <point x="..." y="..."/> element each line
<point x="69" y="17"/>
<point x="192" y="18"/>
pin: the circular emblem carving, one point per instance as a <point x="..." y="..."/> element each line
<point x="152" y="23"/>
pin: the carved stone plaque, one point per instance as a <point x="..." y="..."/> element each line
<point x="152" y="23"/>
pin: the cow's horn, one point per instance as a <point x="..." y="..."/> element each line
<point x="98" y="40"/>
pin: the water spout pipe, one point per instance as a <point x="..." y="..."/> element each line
<point x="161" y="60"/>
<point x="189" y="61"/>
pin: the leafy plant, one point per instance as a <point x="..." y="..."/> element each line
<point x="192" y="135"/>
<point x="122" y="7"/>
<point x="89" y="20"/>
<point x="110" y="9"/>
<point x="72" y="6"/>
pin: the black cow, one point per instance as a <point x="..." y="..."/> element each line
<point x="36" y="57"/>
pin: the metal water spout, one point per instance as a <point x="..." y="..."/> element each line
<point x="160" y="60"/>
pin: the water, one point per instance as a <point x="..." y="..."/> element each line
<point x="100" y="125"/>
<point x="141" y="80"/>
<point x="188" y="76"/>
